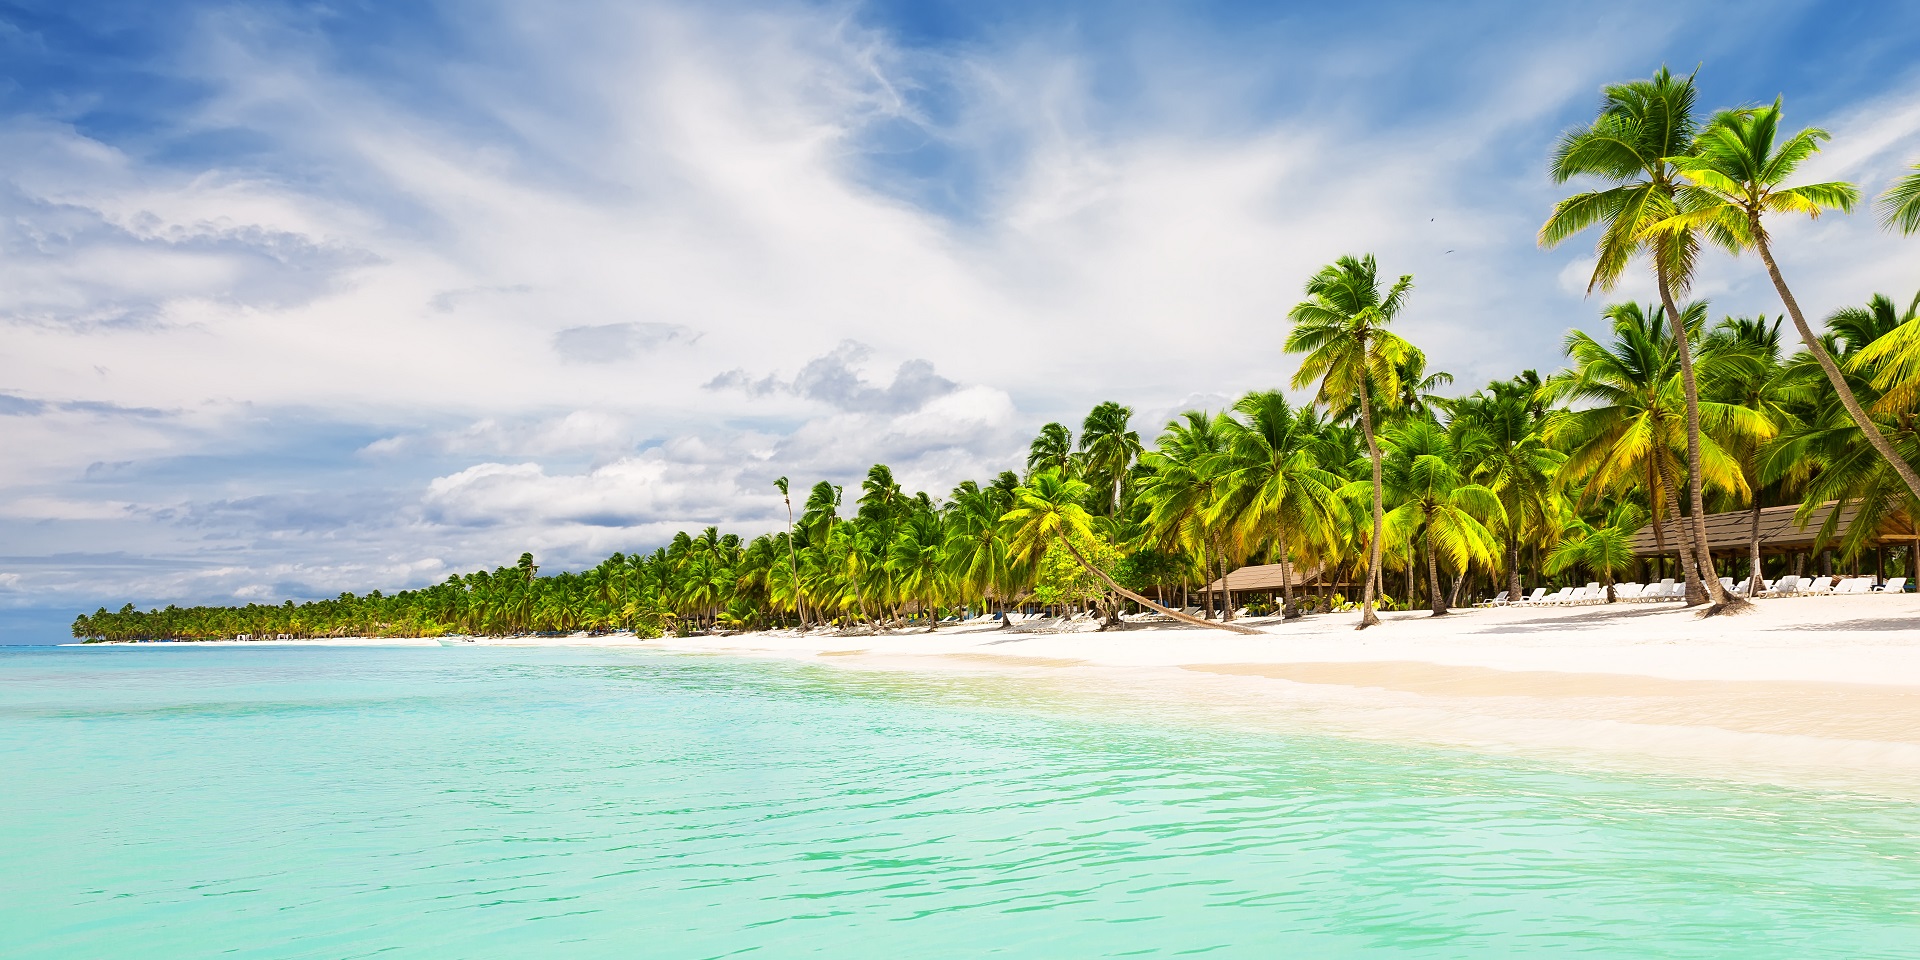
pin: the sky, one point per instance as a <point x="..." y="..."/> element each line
<point x="307" y="297"/>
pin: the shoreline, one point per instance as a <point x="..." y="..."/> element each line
<point x="1817" y="690"/>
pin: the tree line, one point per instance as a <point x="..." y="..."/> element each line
<point x="1393" y="492"/>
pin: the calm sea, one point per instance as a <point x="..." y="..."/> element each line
<point x="282" y="802"/>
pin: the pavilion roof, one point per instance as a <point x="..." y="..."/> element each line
<point x="1779" y="530"/>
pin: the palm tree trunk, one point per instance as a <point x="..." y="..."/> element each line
<point x="1722" y="601"/>
<point x="1755" y="585"/>
<point x="1867" y="427"/>
<point x="1433" y="580"/>
<point x="1143" y="601"/>
<point x="1514" y="590"/>
<point x="1287" y="609"/>
<point x="1696" y="594"/>
<point x="1367" y="617"/>
<point x="1226" y="593"/>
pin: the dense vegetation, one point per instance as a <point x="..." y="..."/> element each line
<point x="1416" y="498"/>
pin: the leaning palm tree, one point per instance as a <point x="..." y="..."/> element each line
<point x="1342" y="328"/>
<point x="1737" y="176"/>
<point x="1110" y="445"/>
<point x="1900" y="205"/>
<point x="1644" y="128"/>
<point x="1048" y="511"/>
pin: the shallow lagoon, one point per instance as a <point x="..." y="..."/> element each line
<point x="344" y="802"/>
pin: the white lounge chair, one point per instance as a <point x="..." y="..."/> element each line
<point x="1820" y="587"/>
<point x="1786" y="586"/>
<point x="1539" y="594"/>
<point x="1627" y="591"/>
<point x="1659" y="591"/>
<point x="1894" y="585"/>
<point x="1499" y="600"/>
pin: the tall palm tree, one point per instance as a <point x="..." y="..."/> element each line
<point x="1110" y="445"/>
<point x="1736" y="177"/>
<point x="1052" y="449"/>
<point x="1645" y="127"/>
<point x="1426" y="474"/>
<point x="1900" y="205"/>
<point x="793" y="559"/>
<point x="1048" y="511"/>
<point x="1342" y="329"/>
<point x="1273" y="488"/>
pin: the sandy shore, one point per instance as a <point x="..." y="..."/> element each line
<point x="1823" y="690"/>
<point x="1818" y="689"/>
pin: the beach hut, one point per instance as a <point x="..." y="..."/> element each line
<point x="1783" y="537"/>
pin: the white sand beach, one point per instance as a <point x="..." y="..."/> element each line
<point x="1821" y="688"/>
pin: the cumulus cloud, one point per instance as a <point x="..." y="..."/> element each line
<point x="835" y="379"/>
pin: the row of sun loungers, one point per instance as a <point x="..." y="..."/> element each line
<point x="1669" y="589"/>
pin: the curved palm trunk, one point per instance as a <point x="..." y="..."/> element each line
<point x="1143" y="601"/>
<point x="1367" y="617"/>
<point x="1723" y="602"/>
<point x="1696" y="594"/>
<point x="1755" y="584"/>
<point x="1867" y="427"/>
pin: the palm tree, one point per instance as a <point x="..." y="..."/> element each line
<point x="1644" y="129"/>
<point x="1052" y="449"/>
<point x="1603" y="548"/>
<point x="1110" y="445"/>
<point x="1623" y="438"/>
<point x="1273" y="488"/>
<point x="1180" y="484"/>
<point x="793" y="560"/>
<point x="1901" y="203"/>
<point x="1735" y="178"/>
<point x="1499" y="432"/>
<point x="1750" y="375"/>
<point x="1342" y="328"/>
<point x="1048" y="511"/>
<point x="1426" y="475"/>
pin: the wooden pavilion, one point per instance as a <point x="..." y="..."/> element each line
<point x="1729" y="535"/>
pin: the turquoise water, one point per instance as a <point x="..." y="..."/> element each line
<point x="287" y="802"/>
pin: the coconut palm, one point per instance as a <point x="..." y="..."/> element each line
<point x="1180" y="484"/>
<point x="1893" y="354"/>
<point x="1342" y="329"/>
<point x="1625" y="435"/>
<point x="1604" y="548"/>
<point x="1498" y="430"/>
<point x="793" y="559"/>
<point x="1643" y="130"/>
<point x="1110" y="445"/>
<point x="1273" y="488"/>
<point x="1051" y="449"/>
<point x="1749" y="374"/>
<point x="1047" y="511"/>
<point x="1736" y="177"/>
<point x="1426" y="476"/>
<point x="1900" y="205"/>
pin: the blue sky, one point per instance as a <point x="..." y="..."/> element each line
<point x="309" y="297"/>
